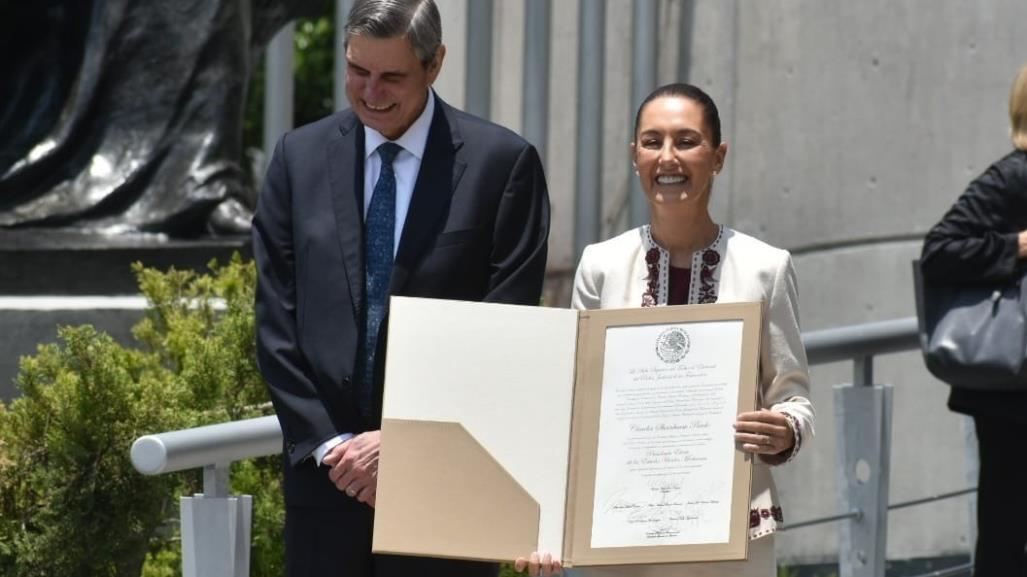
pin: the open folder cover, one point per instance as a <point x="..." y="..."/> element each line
<point x="603" y="437"/>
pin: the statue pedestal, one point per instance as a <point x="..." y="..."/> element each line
<point x="58" y="262"/>
<point x="50" y="278"/>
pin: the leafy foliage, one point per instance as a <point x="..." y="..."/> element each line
<point x="313" y="66"/>
<point x="70" y="501"/>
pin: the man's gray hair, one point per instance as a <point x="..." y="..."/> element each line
<point x="418" y="20"/>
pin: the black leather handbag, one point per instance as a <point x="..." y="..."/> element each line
<point x="974" y="336"/>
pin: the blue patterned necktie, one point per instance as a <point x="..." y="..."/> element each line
<point x="379" y="244"/>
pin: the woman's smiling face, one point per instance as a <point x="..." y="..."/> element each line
<point x="674" y="153"/>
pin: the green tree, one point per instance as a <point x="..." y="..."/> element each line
<point x="70" y="501"/>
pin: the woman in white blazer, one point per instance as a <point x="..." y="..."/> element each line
<point x="683" y="257"/>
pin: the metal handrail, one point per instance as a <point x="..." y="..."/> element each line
<point x="215" y="447"/>
<point x="965" y="569"/>
<point x="853" y="514"/>
<point x="260" y="437"/>
<point x="218" y="444"/>
<point x="863" y="340"/>
<point x="856" y="513"/>
<point x="931" y="499"/>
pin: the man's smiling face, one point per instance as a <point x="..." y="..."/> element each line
<point x="386" y="84"/>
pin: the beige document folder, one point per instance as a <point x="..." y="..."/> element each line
<point x="491" y="426"/>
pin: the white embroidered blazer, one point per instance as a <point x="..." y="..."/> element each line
<point x="631" y="270"/>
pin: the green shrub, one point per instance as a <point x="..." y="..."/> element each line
<point x="70" y="501"/>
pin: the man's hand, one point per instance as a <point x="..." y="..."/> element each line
<point x="354" y="466"/>
<point x="1021" y="242"/>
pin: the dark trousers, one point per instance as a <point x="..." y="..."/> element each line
<point x="328" y="534"/>
<point x="1001" y="499"/>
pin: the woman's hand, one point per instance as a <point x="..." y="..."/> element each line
<point x="1021" y="241"/>
<point x="539" y="565"/>
<point x="764" y="432"/>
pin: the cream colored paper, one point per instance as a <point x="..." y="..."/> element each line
<point x="491" y="420"/>
<point x="505" y="373"/>
<point x="665" y="467"/>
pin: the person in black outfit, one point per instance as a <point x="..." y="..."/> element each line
<point x="983" y="238"/>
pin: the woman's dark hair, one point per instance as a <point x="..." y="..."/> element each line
<point x="711" y="118"/>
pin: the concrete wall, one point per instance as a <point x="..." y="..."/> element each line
<point x="852" y="126"/>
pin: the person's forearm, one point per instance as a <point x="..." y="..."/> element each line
<point x="991" y="256"/>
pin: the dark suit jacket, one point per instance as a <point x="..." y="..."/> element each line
<point x="476" y="230"/>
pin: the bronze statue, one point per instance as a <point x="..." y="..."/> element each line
<point x="126" y="115"/>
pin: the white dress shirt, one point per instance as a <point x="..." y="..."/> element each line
<point x="406" y="165"/>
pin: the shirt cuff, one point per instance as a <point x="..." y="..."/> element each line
<point x="322" y="450"/>
<point x="796" y="435"/>
<point x="787" y="455"/>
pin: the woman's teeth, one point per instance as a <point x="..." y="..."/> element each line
<point x="670" y="179"/>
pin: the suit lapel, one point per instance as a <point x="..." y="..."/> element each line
<point x="346" y="162"/>
<point x="437" y="178"/>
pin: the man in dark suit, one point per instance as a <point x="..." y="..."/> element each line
<point x="400" y="195"/>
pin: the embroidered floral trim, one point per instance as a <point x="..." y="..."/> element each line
<point x="797" y="435"/>
<point x="702" y="290"/>
<point x="652" y="283"/>
<point x="708" y="286"/>
<point x="757" y="516"/>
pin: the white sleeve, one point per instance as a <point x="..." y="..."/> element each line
<point x="586" y="288"/>
<point x="784" y="373"/>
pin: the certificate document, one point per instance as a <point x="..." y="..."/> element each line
<point x="664" y="468"/>
<point x="655" y="476"/>
<point x="602" y="436"/>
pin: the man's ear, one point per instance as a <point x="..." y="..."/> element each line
<point x="436" y="64"/>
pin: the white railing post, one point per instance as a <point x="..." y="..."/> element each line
<point x="863" y="419"/>
<point x="216" y="528"/>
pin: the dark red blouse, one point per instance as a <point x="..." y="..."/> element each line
<point x="679" y="280"/>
